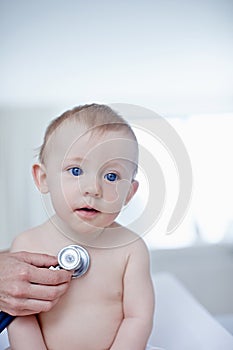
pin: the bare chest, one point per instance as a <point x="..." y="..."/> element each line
<point x="93" y="301"/>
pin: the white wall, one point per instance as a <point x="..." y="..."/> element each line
<point x="172" y="56"/>
<point x="20" y="202"/>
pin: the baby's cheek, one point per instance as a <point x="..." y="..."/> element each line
<point x="110" y="193"/>
<point x="63" y="195"/>
<point x="122" y="189"/>
<point x="69" y="197"/>
<point x="115" y="196"/>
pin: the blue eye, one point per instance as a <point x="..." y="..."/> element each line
<point x="75" y="171"/>
<point x="111" y="177"/>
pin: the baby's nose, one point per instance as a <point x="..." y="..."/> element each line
<point x="92" y="188"/>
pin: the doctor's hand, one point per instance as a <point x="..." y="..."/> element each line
<point x="27" y="286"/>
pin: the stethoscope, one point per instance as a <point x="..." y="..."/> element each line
<point x="72" y="257"/>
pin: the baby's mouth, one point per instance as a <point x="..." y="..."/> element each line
<point x="87" y="211"/>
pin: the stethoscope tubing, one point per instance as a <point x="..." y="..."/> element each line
<point x="5" y="320"/>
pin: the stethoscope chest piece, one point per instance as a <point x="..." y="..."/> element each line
<point x="74" y="257"/>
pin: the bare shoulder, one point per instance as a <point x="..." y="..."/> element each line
<point x="128" y="239"/>
<point x="29" y="240"/>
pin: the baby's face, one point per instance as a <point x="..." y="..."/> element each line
<point x="90" y="175"/>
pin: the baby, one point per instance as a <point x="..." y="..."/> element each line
<point x="87" y="163"/>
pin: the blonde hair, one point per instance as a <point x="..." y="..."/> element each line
<point x="93" y="117"/>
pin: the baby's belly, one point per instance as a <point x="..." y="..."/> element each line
<point x="84" y="327"/>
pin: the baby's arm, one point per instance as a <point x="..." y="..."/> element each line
<point x="138" y="302"/>
<point x="25" y="334"/>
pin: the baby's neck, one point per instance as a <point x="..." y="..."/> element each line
<point x="89" y="237"/>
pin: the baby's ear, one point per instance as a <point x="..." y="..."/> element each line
<point x="133" y="189"/>
<point x="40" y="177"/>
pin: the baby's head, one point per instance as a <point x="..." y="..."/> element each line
<point x="88" y="162"/>
<point x="93" y="118"/>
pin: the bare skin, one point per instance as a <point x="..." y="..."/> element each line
<point x="114" y="297"/>
<point x="27" y="286"/>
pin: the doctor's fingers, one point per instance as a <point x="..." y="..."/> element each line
<point x="36" y="259"/>
<point x="32" y="298"/>
<point x="46" y="276"/>
<point x="23" y="307"/>
<point x="45" y="292"/>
